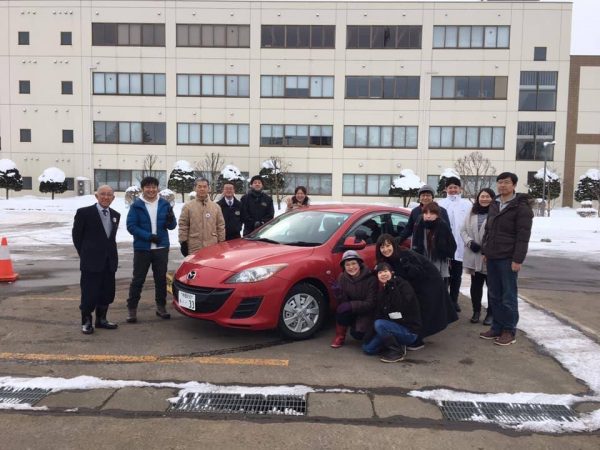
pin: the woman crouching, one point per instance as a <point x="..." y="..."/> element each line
<point x="355" y="307"/>
<point x="397" y="317"/>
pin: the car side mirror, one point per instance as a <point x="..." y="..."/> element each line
<point x="353" y="243"/>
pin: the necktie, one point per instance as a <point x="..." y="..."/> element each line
<point x="105" y="212"/>
<point x="230" y="203"/>
<point x="106" y="222"/>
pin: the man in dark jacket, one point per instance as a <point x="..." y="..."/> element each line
<point x="505" y="243"/>
<point x="149" y="219"/>
<point x="257" y="207"/>
<point x="94" y="232"/>
<point x="426" y="194"/>
<point x="231" y="208"/>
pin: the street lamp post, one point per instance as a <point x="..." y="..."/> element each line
<point x="547" y="144"/>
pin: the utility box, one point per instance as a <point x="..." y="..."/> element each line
<point x="84" y="186"/>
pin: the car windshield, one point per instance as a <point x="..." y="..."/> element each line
<point x="302" y="228"/>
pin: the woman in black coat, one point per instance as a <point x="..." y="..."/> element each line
<point x="435" y="305"/>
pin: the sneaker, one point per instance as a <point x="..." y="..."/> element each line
<point x="418" y="345"/>
<point x="489" y="334"/>
<point x="506" y="338"/>
<point x="394" y="354"/>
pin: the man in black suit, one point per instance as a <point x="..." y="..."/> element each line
<point x="231" y="208"/>
<point x="94" y="231"/>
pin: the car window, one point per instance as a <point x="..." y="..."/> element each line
<point x="303" y="228"/>
<point x="398" y="223"/>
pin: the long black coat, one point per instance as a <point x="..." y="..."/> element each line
<point x="437" y="310"/>
<point x="89" y="238"/>
<point x="257" y="208"/>
<point x="444" y="245"/>
<point x="233" y="218"/>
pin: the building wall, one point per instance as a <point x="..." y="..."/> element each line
<point x="45" y="63"/>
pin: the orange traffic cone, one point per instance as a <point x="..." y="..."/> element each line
<point x="6" y="268"/>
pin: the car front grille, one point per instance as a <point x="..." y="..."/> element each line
<point x="208" y="300"/>
<point x="247" y="307"/>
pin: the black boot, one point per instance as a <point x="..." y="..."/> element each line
<point x="161" y="311"/>
<point x="101" y="321"/>
<point x="475" y="317"/>
<point x="394" y="352"/>
<point x="86" y="323"/>
<point x="488" y="319"/>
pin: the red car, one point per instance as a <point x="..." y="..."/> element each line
<point x="284" y="274"/>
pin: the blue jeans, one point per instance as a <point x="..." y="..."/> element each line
<point x="384" y="328"/>
<point x="502" y="294"/>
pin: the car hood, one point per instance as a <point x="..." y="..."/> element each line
<point x="240" y="254"/>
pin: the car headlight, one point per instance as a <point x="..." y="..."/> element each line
<point x="255" y="274"/>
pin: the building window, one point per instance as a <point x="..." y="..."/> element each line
<point x="296" y="86"/>
<point x="189" y="85"/>
<point x="153" y="133"/>
<point x="66" y="87"/>
<point x="537" y="91"/>
<point x="66" y="38"/>
<point x="469" y="88"/>
<point x="25" y="135"/>
<point x="128" y="34"/>
<point x="213" y="134"/>
<point x="107" y="83"/>
<point x="315" y="183"/>
<point x="466" y="137"/>
<point x="204" y="35"/>
<point x="121" y="180"/>
<point x="298" y="36"/>
<point x="70" y="182"/>
<point x="296" y="135"/>
<point x="23" y="37"/>
<point x="67" y="136"/>
<point x="380" y="136"/>
<point x="530" y="141"/>
<point x="383" y="87"/>
<point x="468" y="36"/>
<point x="366" y="184"/>
<point x="24" y="87"/>
<point x="383" y="36"/>
<point x="27" y="183"/>
<point x="539" y="53"/>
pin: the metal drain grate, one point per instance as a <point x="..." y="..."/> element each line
<point x="22" y="396"/>
<point x="288" y="405"/>
<point x="510" y="413"/>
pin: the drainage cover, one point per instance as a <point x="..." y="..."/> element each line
<point x="288" y="405"/>
<point x="510" y="413"/>
<point x="22" y="396"/>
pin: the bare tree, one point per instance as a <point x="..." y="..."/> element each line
<point x="274" y="177"/>
<point x="210" y="168"/>
<point x="148" y="167"/>
<point x="475" y="172"/>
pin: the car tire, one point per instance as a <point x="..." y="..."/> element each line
<point x="302" y="312"/>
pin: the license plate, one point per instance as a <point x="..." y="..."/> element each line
<point x="187" y="300"/>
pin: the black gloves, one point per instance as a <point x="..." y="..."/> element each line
<point x="154" y="239"/>
<point x="474" y="246"/>
<point x="170" y="218"/>
<point x="184" y="248"/>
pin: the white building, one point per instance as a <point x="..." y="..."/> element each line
<point x="347" y="93"/>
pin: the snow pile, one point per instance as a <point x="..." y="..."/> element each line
<point x="231" y="172"/>
<point x="449" y="173"/>
<point x="550" y="175"/>
<point x="407" y="180"/>
<point x="6" y="165"/>
<point x="52" y="175"/>
<point x="270" y="165"/>
<point x="593" y="174"/>
<point x="183" y="165"/>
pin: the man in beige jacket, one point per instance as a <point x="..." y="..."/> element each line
<point x="201" y="222"/>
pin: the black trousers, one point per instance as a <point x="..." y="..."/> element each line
<point x="456" y="269"/>
<point x="478" y="279"/>
<point x="142" y="260"/>
<point x="97" y="289"/>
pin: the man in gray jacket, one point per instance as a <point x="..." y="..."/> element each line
<point x="505" y="243"/>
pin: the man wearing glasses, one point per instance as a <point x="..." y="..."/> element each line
<point x="505" y="242"/>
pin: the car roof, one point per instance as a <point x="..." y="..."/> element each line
<point x="352" y="208"/>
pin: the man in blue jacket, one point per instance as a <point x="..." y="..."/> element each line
<point x="149" y="219"/>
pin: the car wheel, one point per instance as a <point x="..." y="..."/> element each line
<point x="302" y="312"/>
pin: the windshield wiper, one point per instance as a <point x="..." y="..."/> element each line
<point x="304" y="243"/>
<point x="262" y="239"/>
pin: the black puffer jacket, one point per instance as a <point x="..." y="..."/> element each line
<point x="257" y="208"/>
<point x="507" y="232"/>
<point x="398" y="296"/>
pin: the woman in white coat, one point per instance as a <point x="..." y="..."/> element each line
<point x="472" y="234"/>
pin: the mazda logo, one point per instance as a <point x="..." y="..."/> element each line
<point x="191" y="275"/>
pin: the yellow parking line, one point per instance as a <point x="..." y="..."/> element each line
<point x="47" y="298"/>
<point x="43" y="357"/>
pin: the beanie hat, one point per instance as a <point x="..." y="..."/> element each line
<point x="453" y="180"/>
<point x="426" y="188"/>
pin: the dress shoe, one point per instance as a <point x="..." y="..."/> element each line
<point x="475" y="317"/>
<point x="87" y="327"/>
<point x="131" y="315"/>
<point x="103" y="323"/>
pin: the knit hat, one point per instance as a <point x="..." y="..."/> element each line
<point x="426" y="188"/>
<point x="453" y="181"/>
